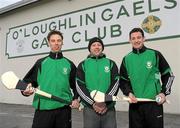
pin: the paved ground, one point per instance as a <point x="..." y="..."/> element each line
<point x="20" y="116"/>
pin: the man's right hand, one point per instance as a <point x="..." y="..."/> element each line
<point x="132" y="98"/>
<point x="100" y="108"/>
<point x="29" y="90"/>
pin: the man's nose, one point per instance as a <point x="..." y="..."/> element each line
<point x="136" y="40"/>
<point x="56" y="42"/>
<point x="96" y="47"/>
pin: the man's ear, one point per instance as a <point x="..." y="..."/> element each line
<point x="144" y="39"/>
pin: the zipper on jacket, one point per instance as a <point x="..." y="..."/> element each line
<point x="97" y="69"/>
<point x="138" y="51"/>
<point x="56" y="56"/>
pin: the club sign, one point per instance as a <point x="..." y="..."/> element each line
<point x="110" y="21"/>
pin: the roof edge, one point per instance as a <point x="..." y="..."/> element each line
<point x="16" y="5"/>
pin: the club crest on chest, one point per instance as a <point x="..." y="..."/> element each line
<point x="106" y="69"/>
<point x="65" y="71"/>
<point x="149" y="64"/>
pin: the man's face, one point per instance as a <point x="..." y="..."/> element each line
<point x="55" y="43"/>
<point x="137" y="40"/>
<point x="96" y="49"/>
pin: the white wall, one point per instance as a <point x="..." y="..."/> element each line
<point x="170" y="48"/>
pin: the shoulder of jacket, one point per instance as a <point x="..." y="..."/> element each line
<point x="129" y="54"/>
<point x="41" y="60"/>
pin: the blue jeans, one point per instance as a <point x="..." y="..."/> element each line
<point x="91" y="119"/>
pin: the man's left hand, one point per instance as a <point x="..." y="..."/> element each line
<point x="75" y="104"/>
<point x="162" y="98"/>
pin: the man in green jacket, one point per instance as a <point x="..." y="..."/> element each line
<point x="144" y="73"/>
<point x="54" y="74"/>
<point x="97" y="73"/>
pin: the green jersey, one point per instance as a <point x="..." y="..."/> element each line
<point x="142" y="72"/>
<point x="53" y="74"/>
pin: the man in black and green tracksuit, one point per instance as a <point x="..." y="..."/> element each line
<point x="144" y="73"/>
<point x="54" y="74"/>
<point x="97" y="73"/>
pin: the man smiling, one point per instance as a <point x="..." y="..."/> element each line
<point x="141" y="73"/>
<point x="54" y="74"/>
<point x="97" y="73"/>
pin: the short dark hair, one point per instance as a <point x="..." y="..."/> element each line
<point x="54" y="32"/>
<point x="136" y="30"/>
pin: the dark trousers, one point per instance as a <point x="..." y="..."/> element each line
<point x="146" y="115"/>
<point x="57" y="118"/>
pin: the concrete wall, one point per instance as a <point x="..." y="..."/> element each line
<point x="170" y="48"/>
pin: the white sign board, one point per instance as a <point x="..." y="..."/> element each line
<point x="111" y="22"/>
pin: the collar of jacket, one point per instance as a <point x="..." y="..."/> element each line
<point x="138" y="51"/>
<point x="55" y="55"/>
<point x="102" y="55"/>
